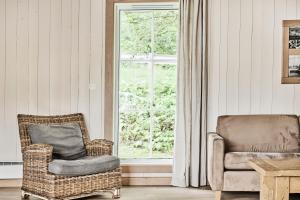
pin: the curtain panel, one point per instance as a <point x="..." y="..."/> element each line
<point x="189" y="168"/>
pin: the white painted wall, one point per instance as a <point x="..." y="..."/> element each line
<point x="51" y="62"/>
<point x="245" y="56"/>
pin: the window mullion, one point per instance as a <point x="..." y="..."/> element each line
<point x="151" y="82"/>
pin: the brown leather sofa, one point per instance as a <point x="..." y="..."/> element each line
<point x="240" y="138"/>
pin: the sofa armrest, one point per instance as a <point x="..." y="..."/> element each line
<point x="99" y="147"/>
<point x="215" y="156"/>
<point x="36" y="158"/>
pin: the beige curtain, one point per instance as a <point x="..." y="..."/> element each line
<point x="189" y="167"/>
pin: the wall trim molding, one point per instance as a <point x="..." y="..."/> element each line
<point x="4" y="183"/>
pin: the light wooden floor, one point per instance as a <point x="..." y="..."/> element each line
<point x="154" y="193"/>
<point x="134" y="193"/>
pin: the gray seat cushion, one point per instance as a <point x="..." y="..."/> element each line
<point x="239" y="160"/>
<point x="66" y="139"/>
<point x="84" y="166"/>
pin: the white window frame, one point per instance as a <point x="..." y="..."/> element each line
<point x="118" y="7"/>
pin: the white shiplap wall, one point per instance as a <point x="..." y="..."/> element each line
<point x="51" y="62"/>
<point x="245" y="56"/>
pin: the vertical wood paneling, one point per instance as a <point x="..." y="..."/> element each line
<point x="22" y="58"/>
<point x="97" y="64"/>
<point x="44" y="58"/>
<point x="256" y="56"/>
<point x="298" y="8"/>
<point x="3" y="143"/>
<point x="75" y="56"/>
<point x="103" y="74"/>
<point x="33" y="44"/>
<point x="66" y="56"/>
<point x="244" y="83"/>
<point x="22" y="63"/>
<point x="234" y="18"/>
<point x="215" y="63"/>
<point x="222" y="98"/>
<point x="279" y="15"/>
<point x="10" y="80"/>
<point x="282" y="94"/>
<point x="267" y="57"/>
<point x="48" y="58"/>
<point x="84" y="58"/>
<point x="251" y="57"/>
<point x="56" y="78"/>
<point x="291" y="9"/>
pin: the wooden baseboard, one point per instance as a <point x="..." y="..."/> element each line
<point x="146" y="174"/>
<point x="10" y="183"/>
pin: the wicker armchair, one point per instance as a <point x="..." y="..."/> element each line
<point x="38" y="182"/>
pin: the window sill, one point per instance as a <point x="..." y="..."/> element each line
<point x="147" y="167"/>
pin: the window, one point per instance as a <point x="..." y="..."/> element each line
<point x="145" y="63"/>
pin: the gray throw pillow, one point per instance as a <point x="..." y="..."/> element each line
<point x="66" y="139"/>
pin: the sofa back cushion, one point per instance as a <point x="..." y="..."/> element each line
<point x="66" y="139"/>
<point x="259" y="133"/>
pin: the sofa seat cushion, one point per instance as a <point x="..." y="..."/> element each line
<point x="84" y="166"/>
<point x="239" y="160"/>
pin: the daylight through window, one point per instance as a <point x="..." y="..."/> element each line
<point x="146" y="82"/>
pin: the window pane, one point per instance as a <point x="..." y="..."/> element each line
<point x="165" y="87"/>
<point x="134" y="135"/>
<point x="135" y="32"/>
<point x="163" y="134"/>
<point x="134" y="86"/>
<point x="165" y="31"/>
<point x="147" y="82"/>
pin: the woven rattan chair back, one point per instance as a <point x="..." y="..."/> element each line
<point x="25" y="120"/>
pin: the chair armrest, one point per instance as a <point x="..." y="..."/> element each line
<point x="36" y="158"/>
<point x="99" y="147"/>
<point x="215" y="156"/>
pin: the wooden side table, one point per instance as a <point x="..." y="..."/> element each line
<point x="278" y="177"/>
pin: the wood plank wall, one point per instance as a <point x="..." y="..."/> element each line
<point x="245" y="56"/>
<point x="52" y="52"/>
<point x="51" y="62"/>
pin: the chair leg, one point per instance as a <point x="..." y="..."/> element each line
<point x="24" y="195"/>
<point x="218" y="195"/>
<point x="116" y="194"/>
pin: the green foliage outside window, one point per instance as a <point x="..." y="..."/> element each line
<point x="134" y="38"/>
<point x="135" y="108"/>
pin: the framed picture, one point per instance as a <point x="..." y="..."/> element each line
<point x="291" y="52"/>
